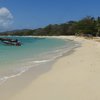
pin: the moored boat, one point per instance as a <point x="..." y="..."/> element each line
<point x="9" y="41"/>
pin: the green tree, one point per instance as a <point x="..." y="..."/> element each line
<point x="98" y="26"/>
<point x="87" y="26"/>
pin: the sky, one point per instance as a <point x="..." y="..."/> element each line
<point x="32" y="14"/>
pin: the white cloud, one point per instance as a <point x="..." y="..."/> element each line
<point x="6" y="19"/>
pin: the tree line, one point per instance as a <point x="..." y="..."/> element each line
<point x="87" y="25"/>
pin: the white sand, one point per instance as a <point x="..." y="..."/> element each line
<point x="73" y="77"/>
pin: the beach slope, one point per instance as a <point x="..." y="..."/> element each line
<point x="72" y="77"/>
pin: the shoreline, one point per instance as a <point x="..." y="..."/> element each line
<point x="72" y="77"/>
<point x="5" y="78"/>
<point x="23" y="81"/>
<point x="57" y="81"/>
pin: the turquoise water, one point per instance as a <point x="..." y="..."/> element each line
<point x="34" y="51"/>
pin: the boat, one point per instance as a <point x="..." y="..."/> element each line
<point x="9" y="41"/>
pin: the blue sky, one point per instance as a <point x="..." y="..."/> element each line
<point x="39" y="13"/>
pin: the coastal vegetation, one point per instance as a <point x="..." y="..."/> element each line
<point x="86" y="26"/>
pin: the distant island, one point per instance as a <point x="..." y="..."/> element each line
<point x="88" y="25"/>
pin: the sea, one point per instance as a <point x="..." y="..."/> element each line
<point x="16" y="60"/>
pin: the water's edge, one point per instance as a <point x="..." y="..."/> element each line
<point x="20" y="81"/>
<point x="62" y="52"/>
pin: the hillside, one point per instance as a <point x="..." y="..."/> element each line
<point x="87" y="25"/>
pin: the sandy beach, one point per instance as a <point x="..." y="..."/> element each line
<point x="72" y="77"/>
